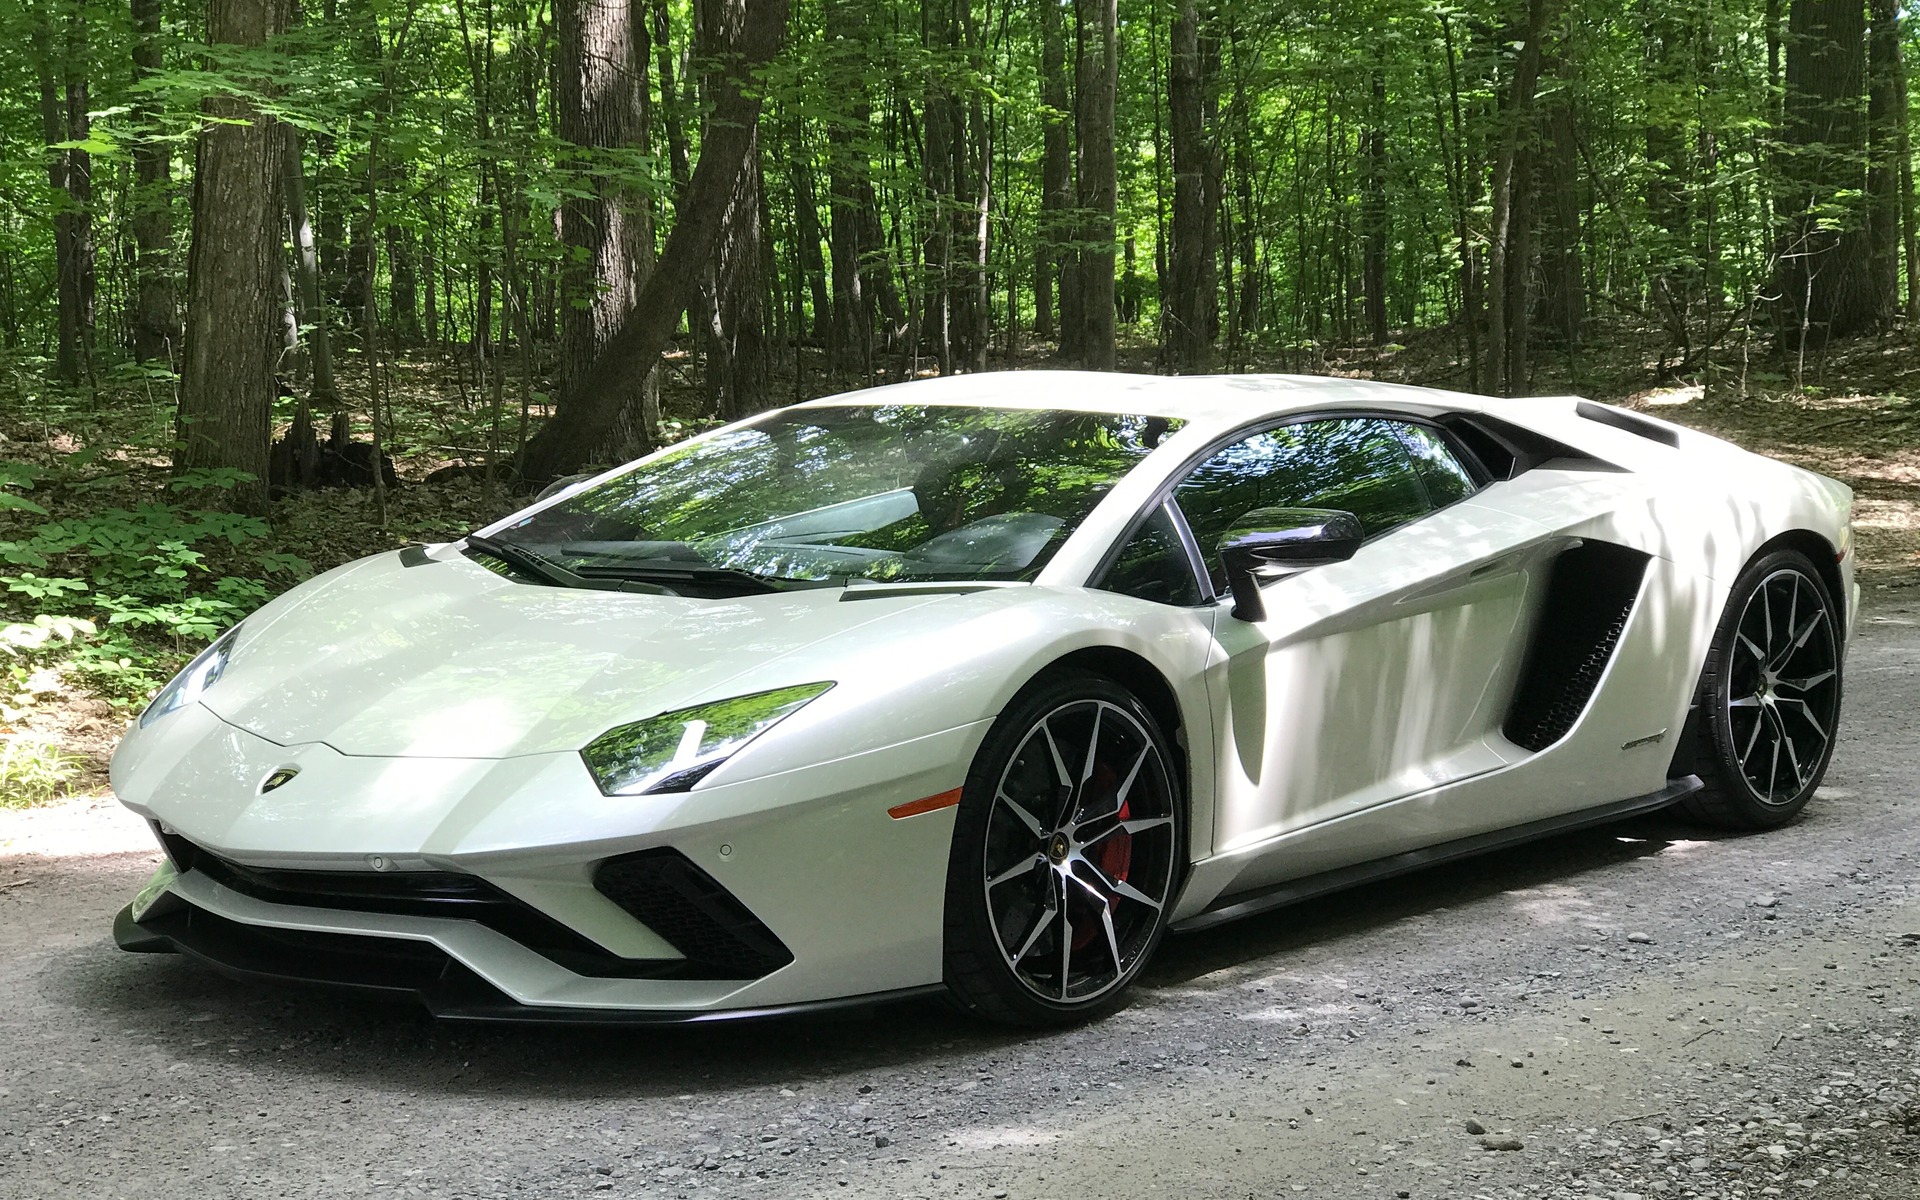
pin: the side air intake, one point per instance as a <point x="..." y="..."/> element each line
<point x="664" y="891"/>
<point x="1590" y="594"/>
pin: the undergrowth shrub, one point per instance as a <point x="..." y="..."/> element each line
<point x="33" y="769"/>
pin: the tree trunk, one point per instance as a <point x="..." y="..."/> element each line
<point x="1561" y="307"/>
<point x="306" y="258"/>
<point x="737" y="351"/>
<point x="1187" y="321"/>
<point x="60" y="70"/>
<point x="809" y="261"/>
<point x="1506" y="257"/>
<point x="1886" y="120"/>
<point x="1094" y="104"/>
<point x="1050" y="254"/>
<point x="600" y="87"/>
<point x="1373" y="210"/>
<point x="1826" y="282"/>
<point x="156" y="320"/>
<point x="854" y="219"/>
<point x="233" y="271"/>
<point x="747" y="34"/>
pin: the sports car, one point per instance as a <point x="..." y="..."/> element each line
<point x="983" y="685"/>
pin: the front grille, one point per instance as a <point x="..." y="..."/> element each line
<point x="444" y="894"/>
<point x="686" y="906"/>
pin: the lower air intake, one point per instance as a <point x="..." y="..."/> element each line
<point x="1590" y="595"/>
<point x="683" y="904"/>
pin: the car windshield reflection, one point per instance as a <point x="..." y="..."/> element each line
<point x="889" y="493"/>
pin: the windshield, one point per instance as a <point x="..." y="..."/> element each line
<point x="891" y="493"/>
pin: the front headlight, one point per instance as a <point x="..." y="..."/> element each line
<point x="674" y="751"/>
<point x="189" y="685"/>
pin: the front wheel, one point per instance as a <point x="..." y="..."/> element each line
<point x="1066" y="852"/>
<point x="1769" y="698"/>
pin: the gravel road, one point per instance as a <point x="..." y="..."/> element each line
<point x="1640" y="1010"/>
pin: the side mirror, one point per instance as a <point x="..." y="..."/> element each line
<point x="1268" y="541"/>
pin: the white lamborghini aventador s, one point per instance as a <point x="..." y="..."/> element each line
<point x="984" y="684"/>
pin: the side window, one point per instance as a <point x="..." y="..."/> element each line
<point x="1359" y="465"/>
<point x="1153" y="565"/>
<point x="1446" y="478"/>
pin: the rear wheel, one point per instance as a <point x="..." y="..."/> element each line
<point x="1066" y="852"/>
<point x="1769" y="698"/>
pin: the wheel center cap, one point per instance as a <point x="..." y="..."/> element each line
<point x="1057" y="849"/>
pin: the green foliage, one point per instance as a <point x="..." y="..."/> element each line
<point x="34" y="769"/>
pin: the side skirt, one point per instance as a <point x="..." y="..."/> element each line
<point x="1234" y="907"/>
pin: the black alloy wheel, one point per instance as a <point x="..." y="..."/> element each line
<point x="1068" y="847"/>
<point x="1769" y="699"/>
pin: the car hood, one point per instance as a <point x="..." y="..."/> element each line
<point x="437" y="656"/>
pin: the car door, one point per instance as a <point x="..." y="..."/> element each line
<point x="1370" y="679"/>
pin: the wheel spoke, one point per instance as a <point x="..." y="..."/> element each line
<point x="1136" y="825"/>
<point x="1746" y="641"/>
<point x="1040" y="925"/>
<point x="1805" y="683"/>
<point x="1066" y="942"/>
<point x="1759" y="723"/>
<point x="1785" y="743"/>
<point x="1093" y="748"/>
<point x="1016" y="871"/>
<point x="1059" y="760"/>
<point x="1745" y="702"/>
<point x="1026" y="818"/>
<point x="1113" y="940"/>
<point x="1806" y="714"/>
<point x="1120" y="888"/>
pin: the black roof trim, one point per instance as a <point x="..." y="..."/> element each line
<point x="1628" y="422"/>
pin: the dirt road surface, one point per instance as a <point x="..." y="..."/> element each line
<point x="1640" y="1010"/>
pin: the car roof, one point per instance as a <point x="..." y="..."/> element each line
<point x="1208" y="400"/>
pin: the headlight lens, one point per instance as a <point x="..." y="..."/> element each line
<point x="189" y="685"/>
<point x="674" y="751"/>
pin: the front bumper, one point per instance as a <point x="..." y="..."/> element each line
<point x="851" y="898"/>
<point x="404" y="971"/>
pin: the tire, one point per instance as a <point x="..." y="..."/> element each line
<point x="1068" y="850"/>
<point x="1769" y="697"/>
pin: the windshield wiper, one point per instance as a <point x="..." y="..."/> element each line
<point x="525" y="561"/>
<point x="702" y="575"/>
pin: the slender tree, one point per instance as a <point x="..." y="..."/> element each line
<point x="1826" y="282"/>
<point x="1095" y="90"/>
<point x="606" y="222"/>
<point x="233" y="269"/>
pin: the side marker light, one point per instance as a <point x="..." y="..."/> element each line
<point x="914" y="808"/>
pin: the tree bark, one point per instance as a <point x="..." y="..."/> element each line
<point x="1561" y="307"/>
<point x="306" y="260"/>
<point x="1886" y="120"/>
<point x="1374" y="216"/>
<point x="156" y="319"/>
<point x="233" y="271"/>
<point x="1506" y="257"/>
<point x="748" y="33"/>
<point x="606" y="225"/>
<point x="1094" y="104"/>
<point x="737" y="352"/>
<point x="1187" y="326"/>
<point x="1050" y="254"/>
<point x="1826" y="282"/>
